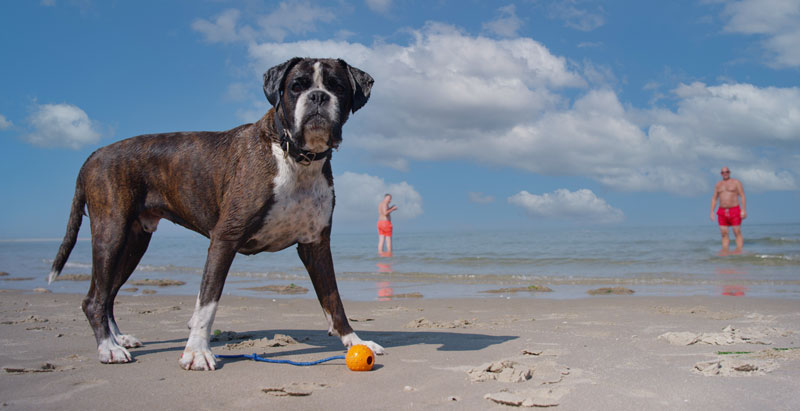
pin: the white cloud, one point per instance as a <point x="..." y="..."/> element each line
<point x="507" y="24"/>
<point x="777" y="21"/>
<point x="479" y="198"/>
<point x="344" y="34"/>
<point x="581" y="206"/>
<point x="4" y="123"/>
<point x="290" y="17"/>
<point x="358" y="195"/>
<point x="447" y="95"/>
<point x="576" y="17"/>
<point x="759" y="180"/>
<point x="379" y="6"/>
<point x="222" y="29"/>
<point x="62" y="125"/>
<point x="741" y="113"/>
<point x="444" y="83"/>
<point x="656" y="178"/>
<point x="295" y="17"/>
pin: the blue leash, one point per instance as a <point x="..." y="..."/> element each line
<point x="255" y="357"/>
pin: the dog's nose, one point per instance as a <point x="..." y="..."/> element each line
<point x="319" y="97"/>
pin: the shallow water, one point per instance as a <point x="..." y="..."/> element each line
<point x="649" y="260"/>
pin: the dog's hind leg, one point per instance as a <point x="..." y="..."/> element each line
<point x="319" y="263"/>
<point x="135" y="246"/>
<point x="108" y="242"/>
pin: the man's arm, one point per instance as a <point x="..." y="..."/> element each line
<point x="744" y="199"/>
<point x="714" y="201"/>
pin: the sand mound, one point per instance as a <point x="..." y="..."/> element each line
<point x="728" y="336"/>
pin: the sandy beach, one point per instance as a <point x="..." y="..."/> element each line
<point x="605" y="352"/>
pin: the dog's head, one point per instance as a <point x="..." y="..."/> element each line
<point x="313" y="99"/>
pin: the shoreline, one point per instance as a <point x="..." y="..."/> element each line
<point x="625" y="352"/>
<point x="383" y="286"/>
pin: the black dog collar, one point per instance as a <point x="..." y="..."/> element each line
<point x="300" y="155"/>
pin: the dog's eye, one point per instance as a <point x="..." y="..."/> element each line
<point x="300" y="84"/>
<point x="335" y="86"/>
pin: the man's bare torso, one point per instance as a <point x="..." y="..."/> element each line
<point x="383" y="214"/>
<point x="728" y="192"/>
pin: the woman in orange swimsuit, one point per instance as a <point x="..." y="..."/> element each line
<point x="385" y="224"/>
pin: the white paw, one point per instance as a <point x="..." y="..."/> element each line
<point x="128" y="341"/>
<point x="110" y="352"/>
<point x="197" y="354"/>
<point x="377" y="349"/>
<point x="198" y="358"/>
<point x="352" y="339"/>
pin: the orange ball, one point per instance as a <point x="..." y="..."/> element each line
<point x="360" y="358"/>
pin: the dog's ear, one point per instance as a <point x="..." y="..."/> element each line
<point x="273" y="80"/>
<point x="361" y="82"/>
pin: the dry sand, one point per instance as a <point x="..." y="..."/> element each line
<point x="611" y="352"/>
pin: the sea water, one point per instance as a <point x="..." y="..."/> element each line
<point x="677" y="260"/>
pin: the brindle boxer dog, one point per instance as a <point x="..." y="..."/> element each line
<point x="258" y="187"/>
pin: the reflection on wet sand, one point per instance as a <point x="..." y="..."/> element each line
<point x="729" y="277"/>
<point x="385" y="291"/>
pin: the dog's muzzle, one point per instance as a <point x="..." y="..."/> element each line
<point x="301" y="156"/>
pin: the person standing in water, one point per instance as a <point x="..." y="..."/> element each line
<point x="385" y="224"/>
<point x="729" y="214"/>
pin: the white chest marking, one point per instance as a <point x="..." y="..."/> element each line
<point x="302" y="209"/>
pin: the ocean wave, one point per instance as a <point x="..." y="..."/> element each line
<point x="779" y="259"/>
<point x="530" y="262"/>
<point x="141" y="267"/>
<point x="760" y="259"/>
<point x="168" y="268"/>
<point x="665" y="278"/>
<point x="775" y="241"/>
<point x="271" y="275"/>
<point x="69" y="264"/>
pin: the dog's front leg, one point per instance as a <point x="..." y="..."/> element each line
<point x="319" y="263"/>
<point x="197" y="355"/>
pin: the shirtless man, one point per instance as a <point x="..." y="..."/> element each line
<point x="728" y="191"/>
<point x="385" y="224"/>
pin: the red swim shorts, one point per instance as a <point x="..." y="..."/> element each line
<point x="385" y="228"/>
<point x="729" y="216"/>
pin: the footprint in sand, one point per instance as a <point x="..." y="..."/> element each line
<point x="728" y="367"/>
<point x="539" y="380"/>
<point x="728" y="336"/>
<point x="538" y="397"/>
<point x="279" y="340"/>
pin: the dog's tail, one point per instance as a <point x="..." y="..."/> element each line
<point x="73" y="225"/>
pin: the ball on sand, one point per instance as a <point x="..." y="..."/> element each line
<point x="360" y="358"/>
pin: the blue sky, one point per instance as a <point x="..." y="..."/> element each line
<point x="484" y="114"/>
